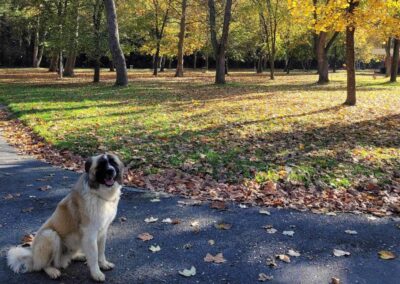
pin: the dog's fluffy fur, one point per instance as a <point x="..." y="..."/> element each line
<point x="78" y="227"/>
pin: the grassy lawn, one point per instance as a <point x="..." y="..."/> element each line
<point x="252" y="129"/>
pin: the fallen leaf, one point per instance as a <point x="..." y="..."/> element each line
<point x="335" y="280"/>
<point x="195" y="224"/>
<point x="283" y="257"/>
<point x="217" y="204"/>
<point x="154" y="248"/>
<point x="351" y="232"/>
<point x="188" y="272"/>
<point x="272" y="231"/>
<point x="145" y="237"/>
<point x="29" y="209"/>
<point x="264" y="212"/>
<point x="167" y="220"/>
<point x="151" y="220"/>
<point x="223" y="226"/>
<point x="122" y="219"/>
<point x="331" y="214"/>
<point x="187" y="246"/>
<point x="8" y="196"/>
<point x="211" y="242"/>
<point x="338" y="253"/>
<point x="262" y="277"/>
<point x="243" y="206"/>
<point x="155" y="200"/>
<point x="271" y="262"/>
<point x="288" y="233"/>
<point x="372" y="218"/>
<point x="218" y="258"/>
<point x="293" y="253"/>
<point x="45" y="188"/>
<point x="386" y="255"/>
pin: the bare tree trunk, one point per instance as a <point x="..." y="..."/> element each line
<point x="111" y="66"/>
<point x="259" y="64"/>
<point x="388" y="60"/>
<point x="53" y="63"/>
<point x="219" y="47"/>
<point x="60" y="65"/>
<point x="70" y="64"/>
<point x="115" y="48"/>
<point x="395" y="61"/>
<point x="162" y="64"/>
<point x="182" y="31"/>
<point x="207" y="61"/>
<point x="195" y="60"/>
<point x="170" y="63"/>
<point x="35" y="54"/>
<point x="156" y="60"/>
<point x="96" y="76"/>
<point x="226" y="65"/>
<point x="350" y="65"/>
<point x="322" y="59"/>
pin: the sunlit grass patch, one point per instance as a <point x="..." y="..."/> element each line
<point x="289" y="129"/>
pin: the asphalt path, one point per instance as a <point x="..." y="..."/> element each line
<point x="246" y="246"/>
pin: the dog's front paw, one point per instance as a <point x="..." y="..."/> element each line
<point x="53" y="272"/>
<point x="106" y="265"/>
<point x="98" y="276"/>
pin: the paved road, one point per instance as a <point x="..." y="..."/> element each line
<point x="246" y="246"/>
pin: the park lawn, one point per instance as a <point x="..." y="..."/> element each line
<point x="250" y="130"/>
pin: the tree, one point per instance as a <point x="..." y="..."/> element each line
<point x="182" y="31"/>
<point x="219" y="46"/>
<point x="395" y="60"/>
<point x="115" y="48"/>
<point x="350" y="56"/>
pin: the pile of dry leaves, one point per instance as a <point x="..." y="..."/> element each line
<point x="371" y="198"/>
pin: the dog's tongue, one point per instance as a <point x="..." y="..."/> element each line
<point x="109" y="182"/>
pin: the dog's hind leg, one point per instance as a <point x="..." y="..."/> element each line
<point x="46" y="252"/>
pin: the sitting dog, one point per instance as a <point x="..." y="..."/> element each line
<point x="78" y="227"/>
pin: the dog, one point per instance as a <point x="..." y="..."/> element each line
<point x="77" y="229"/>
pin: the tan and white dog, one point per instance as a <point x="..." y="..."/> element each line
<point x="78" y="227"/>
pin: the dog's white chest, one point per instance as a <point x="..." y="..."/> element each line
<point x="101" y="213"/>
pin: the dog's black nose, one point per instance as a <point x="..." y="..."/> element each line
<point x="110" y="171"/>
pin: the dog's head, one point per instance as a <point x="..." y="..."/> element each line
<point x="104" y="170"/>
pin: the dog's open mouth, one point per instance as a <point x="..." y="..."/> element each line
<point x="109" y="181"/>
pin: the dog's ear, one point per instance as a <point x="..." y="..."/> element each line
<point x="88" y="164"/>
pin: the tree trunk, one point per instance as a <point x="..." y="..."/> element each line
<point x="220" y="69"/>
<point x="60" y="65"/>
<point x="207" y="59"/>
<point x="96" y="75"/>
<point x="194" y="60"/>
<point x="226" y="66"/>
<point x="162" y="64"/>
<point x="40" y="55"/>
<point x="115" y="48"/>
<point x="170" y="63"/>
<point x="111" y="66"/>
<point x="182" y="32"/>
<point x="35" y="54"/>
<point x="53" y="63"/>
<point x="272" y="67"/>
<point x="334" y="60"/>
<point x="259" y="65"/>
<point x="70" y="64"/>
<point x="388" y="59"/>
<point x="395" y="61"/>
<point x="156" y="60"/>
<point x="322" y="59"/>
<point x="219" y="47"/>
<point x="350" y="66"/>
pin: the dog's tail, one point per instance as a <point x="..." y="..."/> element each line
<point x="19" y="259"/>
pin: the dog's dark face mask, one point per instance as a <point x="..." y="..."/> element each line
<point x="104" y="170"/>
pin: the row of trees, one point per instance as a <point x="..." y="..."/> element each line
<point x="261" y="31"/>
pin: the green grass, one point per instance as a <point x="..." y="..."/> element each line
<point x="252" y="128"/>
